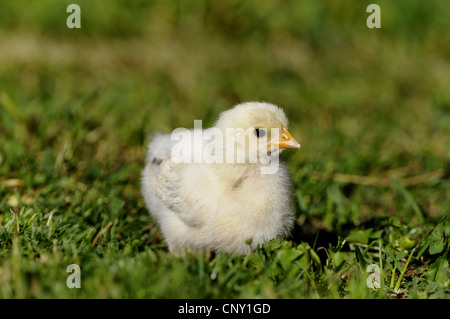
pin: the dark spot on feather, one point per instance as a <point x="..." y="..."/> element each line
<point x="237" y="184"/>
<point x="156" y="161"/>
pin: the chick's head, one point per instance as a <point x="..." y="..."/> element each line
<point x="256" y="130"/>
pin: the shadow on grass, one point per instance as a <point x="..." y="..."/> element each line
<point x="316" y="235"/>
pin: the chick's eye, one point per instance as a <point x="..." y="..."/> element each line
<point x="260" y="132"/>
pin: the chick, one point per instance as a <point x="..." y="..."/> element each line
<point x="224" y="206"/>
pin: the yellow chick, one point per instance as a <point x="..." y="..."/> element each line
<point x="225" y="203"/>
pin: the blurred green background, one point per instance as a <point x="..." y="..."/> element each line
<point x="77" y="107"/>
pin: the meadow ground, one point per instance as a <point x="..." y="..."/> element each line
<point x="371" y="108"/>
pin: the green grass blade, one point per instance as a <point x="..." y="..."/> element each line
<point x="399" y="280"/>
<point x="360" y="258"/>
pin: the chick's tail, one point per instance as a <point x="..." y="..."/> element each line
<point x="159" y="150"/>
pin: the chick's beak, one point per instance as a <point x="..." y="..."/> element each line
<point x="286" y="140"/>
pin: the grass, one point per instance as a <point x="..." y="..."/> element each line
<point x="370" y="108"/>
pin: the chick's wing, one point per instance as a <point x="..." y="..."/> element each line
<point x="177" y="192"/>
